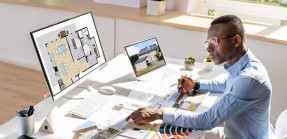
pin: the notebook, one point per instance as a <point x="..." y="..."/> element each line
<point x="146" y="57"/>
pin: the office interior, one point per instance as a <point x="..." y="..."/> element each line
<point x="180" y="34"/>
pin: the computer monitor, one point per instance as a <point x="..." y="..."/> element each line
<point x="68" y="52"/>
<point x="145" y="56"/>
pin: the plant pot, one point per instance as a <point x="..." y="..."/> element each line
<point x="208" y="65"/>
<point x="189" y="66"/>
<point x="155" y="7"/>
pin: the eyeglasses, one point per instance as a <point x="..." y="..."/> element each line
<point x="214" y="40"/>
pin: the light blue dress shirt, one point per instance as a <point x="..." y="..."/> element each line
<point x="245" y="107"/>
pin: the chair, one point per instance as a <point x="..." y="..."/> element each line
<point x="281" y="125"/>
<point x="272" y="134"/>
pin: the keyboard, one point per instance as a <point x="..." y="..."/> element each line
<point x="89" y="106"/>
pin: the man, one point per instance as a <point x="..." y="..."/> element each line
<point x="245" y="107"/>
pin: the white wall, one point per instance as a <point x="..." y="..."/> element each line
<point x="179" y="43"/>
<point x="170" y="40"/>
<point x="17" y="21"/>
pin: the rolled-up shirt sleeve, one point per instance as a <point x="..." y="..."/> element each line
<point x="215" y="85"/>
<point x="230" y="105"/>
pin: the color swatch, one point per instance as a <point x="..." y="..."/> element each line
<point x="168" y="131"/>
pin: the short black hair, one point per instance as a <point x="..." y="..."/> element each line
<point x="233" y="20"/>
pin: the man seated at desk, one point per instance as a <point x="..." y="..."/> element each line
<point x="245" y="108"/>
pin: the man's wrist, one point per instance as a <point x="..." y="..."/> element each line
<point x="159" y="114"/>
<point x="197" y="86"/>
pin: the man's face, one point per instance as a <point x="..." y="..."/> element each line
<point x="225" y="48"/>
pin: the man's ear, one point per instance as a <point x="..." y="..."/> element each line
<point x="237" y="40"/>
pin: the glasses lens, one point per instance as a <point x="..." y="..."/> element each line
<point x="213" y="41"/>
<point x="206" y="43"/>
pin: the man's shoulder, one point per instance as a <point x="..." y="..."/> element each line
<point x="253" y="78"/>
<point x="248" y="86"/>
<point x="253" y="70"/>
<point x="253" y="74"/>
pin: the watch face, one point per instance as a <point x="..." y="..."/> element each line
<point x="197" y="86"/>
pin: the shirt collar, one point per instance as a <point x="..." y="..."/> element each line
<point x="240" y="64"/>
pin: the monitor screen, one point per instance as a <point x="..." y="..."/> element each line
<point x="68" y="51"/>
<point x="145" y="56"/>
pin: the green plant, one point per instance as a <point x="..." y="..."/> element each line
<point x="157" y="55"/>
<point x="208" y="59"/>
<point x="211" y="12"/>
<point x="189" y="60"/>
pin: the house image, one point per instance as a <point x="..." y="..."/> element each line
<point x="146" y="57"/>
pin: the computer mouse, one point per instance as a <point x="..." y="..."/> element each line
<point x="107" y="90"/>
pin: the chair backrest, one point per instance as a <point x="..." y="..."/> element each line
<point x="281" y="125"/>
<point x="272" y="134"/>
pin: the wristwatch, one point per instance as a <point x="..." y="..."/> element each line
<point x="197" y="86"/>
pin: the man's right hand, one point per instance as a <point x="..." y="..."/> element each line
<point x="145" y="115"/>
<point x="188" y="84"/>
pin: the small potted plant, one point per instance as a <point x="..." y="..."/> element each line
<point x="155" y="7"/>
<point x="189" y="63"/>
<point x="208" y="64"/>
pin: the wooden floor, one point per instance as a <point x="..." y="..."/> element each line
<point x="19" y="87"/>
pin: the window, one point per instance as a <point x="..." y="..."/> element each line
<point x="266" y="11"/>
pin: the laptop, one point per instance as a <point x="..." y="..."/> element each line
<point x="146" y="57"/>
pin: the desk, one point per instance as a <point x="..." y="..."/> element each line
<point x="123" y="79"/>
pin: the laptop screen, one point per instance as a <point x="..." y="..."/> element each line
<point x="145" y="56"/>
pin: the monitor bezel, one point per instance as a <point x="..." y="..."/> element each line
<point x="69" y="88"/>
<point x="141" y="42"/>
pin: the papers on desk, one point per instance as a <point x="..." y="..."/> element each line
<point x="112" y="117"/>
<point x="192" y="103"/>
<point x="86" y="130"/>
<point x="129" y="133"/>
<point x="107" y="134"/>
<point x="147" y="131"/>
<point x="150" y="95"/>
<point x="189" y="103"/>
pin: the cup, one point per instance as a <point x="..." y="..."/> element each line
<point x="25" y="123"/>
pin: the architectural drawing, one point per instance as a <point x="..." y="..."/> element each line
<point x="73" y="52"/>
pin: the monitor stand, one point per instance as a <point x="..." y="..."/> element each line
<point x="79" y="92"/>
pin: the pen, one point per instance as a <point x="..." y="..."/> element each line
<point x="182" y="81"/>
<point x="180" y="95"/>
<point x="29" y="110"/>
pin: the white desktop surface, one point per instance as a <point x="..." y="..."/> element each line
<point x="118" y="73"/>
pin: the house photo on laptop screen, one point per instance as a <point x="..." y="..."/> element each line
<point x="145" y="56"/>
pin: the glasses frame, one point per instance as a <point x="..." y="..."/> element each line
<point x="207" y="42"/>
